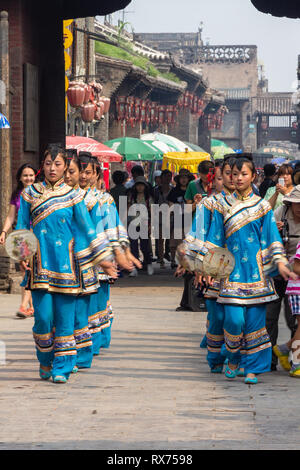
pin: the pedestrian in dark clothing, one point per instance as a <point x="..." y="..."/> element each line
<point x="119" y="178"/>
<point x="176" y="199"/>
<point x="268" y="182"/>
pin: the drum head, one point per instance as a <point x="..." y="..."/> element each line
<point x="218" y="263"/>
<point x="21" y="245"/>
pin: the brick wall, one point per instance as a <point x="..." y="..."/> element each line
<point x="232" y="75"/>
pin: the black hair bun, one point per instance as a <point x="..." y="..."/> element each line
<point x="247" y="155"/>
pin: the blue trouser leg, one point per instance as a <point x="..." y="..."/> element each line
<point x="64" y="342"/>
<point x="257" y="345"/>
<point x="43" y="326"/>
<point x="82" y="333"/>
<point x="106" y="331"/>
<point x="94" y="322"/>
<point x="245" y="332"/>
<point x="203" y="344"/>
<point x="215" y="332"/>
<point x="103" y="297"/>
<point x="234" y="324"/>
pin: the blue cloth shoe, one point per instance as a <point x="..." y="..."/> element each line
<point x="240" y="373"/>
<point x="229" y="373"/>
<point x="217" y="369"/>
<point x="44" y="374"/>
<point x="59" y="379"/>
<point x="251" y="380"/>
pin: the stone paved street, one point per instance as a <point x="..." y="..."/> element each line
<point x="150" y="390"/>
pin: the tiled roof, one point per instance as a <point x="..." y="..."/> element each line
<point x="236" y="94"/>
<point x="276" y="104"/>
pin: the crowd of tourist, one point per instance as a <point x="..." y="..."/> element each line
<point x="85" y="232"/>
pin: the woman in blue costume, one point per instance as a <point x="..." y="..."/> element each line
<point x="68" y="245"/>
<point x="84" y="301"/>
<point x="214" y="338"/>
<point x="118" y="237"/>
<point x="101" y="211"/>
<point x="244" y="223"/>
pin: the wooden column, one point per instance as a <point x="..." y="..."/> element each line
<point x="5" y="156"/>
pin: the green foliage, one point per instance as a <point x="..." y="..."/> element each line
<point x="136" y="59"/>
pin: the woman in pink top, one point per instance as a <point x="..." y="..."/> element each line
<point x="282" y="351"/>
<point x="25" y="177"/>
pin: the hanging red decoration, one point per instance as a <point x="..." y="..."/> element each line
<point x="180" y="102"/>
<point x="106" y="102"/>
<point x="88" y="93"/>
<point x="88" y="112"/>
<point x="76" y="94"/>
<point x="120" y="105"/>
<point x="170" y="114"/>
<point x="161" y="114"/>
<point x="137" y="109"/>
<point x="194" y="105"/>
<point x="129" y="110"/>
<point x="99" y="110"/>
<point x="153" y="113"/>
<point x="143" y="110"/>
<point x="187" y="99"/>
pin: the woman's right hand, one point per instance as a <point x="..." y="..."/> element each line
<point x="24" y="265"/>
<point x="2" y="238"/>
<point x="197" y="198"/>
<point x="110" y="269"/>
<point x="280" y="225"/>
<point x="179" y="271"/>
<point x="281" y="189"/>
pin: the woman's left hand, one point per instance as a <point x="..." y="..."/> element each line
<point x="286" y="273"/>
<point x="132" y="259"/>
<point x="282" y="189"/>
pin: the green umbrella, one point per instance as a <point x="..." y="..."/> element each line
<point x="175" y="144"/>
<point x="274" y="151"/>
<point x="134" y="149"/>
<point x="195" y="147"/>
<point x="217" y="143"/>
<point x="220" y="152"/>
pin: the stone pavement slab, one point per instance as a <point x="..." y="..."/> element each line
<point x="151" y="390"/>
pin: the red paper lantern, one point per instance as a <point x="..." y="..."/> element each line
<point x="186" y="99"/>
<point x="129" y="109"/>
<point x="194" y="104"/>
<point x="76" y="94"/>
<point x="154" y="113"/>
<point x="137" y="109"/>
<point x="161" y="114"/>
<point x="106" y="102"/>
<point x="180" y="102"/>
<point x="88" y="112"/>
<point x="148" y="112"/>
<point x="87" y="94"/>
<point x="120" y="104"/>
<point x="170" y="114"/>
<point x="143" y="110"/>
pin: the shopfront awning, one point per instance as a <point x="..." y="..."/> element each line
<point x="289" y="8"/>
<point x="80" y="9"/>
